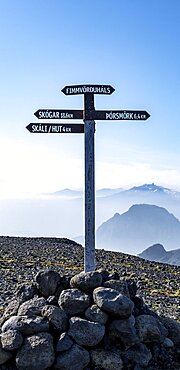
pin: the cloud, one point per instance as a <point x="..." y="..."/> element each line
<point x="27" y="167"/>
<point x="35" y="167"/>
<point x="125" y="175"/>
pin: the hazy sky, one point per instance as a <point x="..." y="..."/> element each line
<point x="132" y="45"/>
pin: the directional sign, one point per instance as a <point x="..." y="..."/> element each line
<point x="88" y="115"/>
<point x="84" y="89"/>
<point x="124" y="115"/>
<point x="55" y="128"/>
<point x="59" y="114"/>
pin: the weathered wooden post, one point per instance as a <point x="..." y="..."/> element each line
<point x="89" y="129"/>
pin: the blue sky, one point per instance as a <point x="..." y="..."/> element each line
<point x="132" y="45"/>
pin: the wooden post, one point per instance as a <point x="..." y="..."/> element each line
<point x="89" y="129"/>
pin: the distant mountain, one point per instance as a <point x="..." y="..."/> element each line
<point x="62" y="213"/>
<point x="158" y="253"/>
<point x="144" y="194"/>
<point x="141" y="225"/>
<point x="148" y="190"/>
<point x="69" y="193"/>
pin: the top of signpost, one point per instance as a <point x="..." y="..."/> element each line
<point x="84" y="89"/>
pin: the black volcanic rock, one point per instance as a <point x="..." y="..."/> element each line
<point x="22" y="258"/>
<point x="131" y="342"/>
<point x="141" y="225"/>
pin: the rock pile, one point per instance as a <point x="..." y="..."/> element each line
<point x="94" y="320"/>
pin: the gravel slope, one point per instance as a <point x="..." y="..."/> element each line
<point x="22" y="258"/>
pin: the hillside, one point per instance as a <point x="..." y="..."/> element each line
<point x="21" y="259"/>
<point x="142" y="225"/>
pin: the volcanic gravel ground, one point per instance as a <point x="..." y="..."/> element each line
<point x="21" y="259"/>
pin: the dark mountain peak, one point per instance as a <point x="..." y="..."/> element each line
<point x="154" y="252"/>
<point x="145" y="207"/>
<point x="157" y="253"/>
<point x="149" y="211"/>
<point x="141" y="225"/>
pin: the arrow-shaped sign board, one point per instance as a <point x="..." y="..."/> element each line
<point x="59" y="114"/>
<point x="112" y="115"/>
<point x="84" y="89"/>
<point x="55" y="128"/>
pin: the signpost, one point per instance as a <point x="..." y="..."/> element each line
<point x="89" y="115"/>
<point x="59" y="114"/>
<point x="89" y="252"/>
<point x="50" y="128"/>
<point x="130" y="115"/>
<point x="88" y="89"/>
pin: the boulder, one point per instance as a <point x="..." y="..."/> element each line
<point x="120" y="286"/>
<point x="4" y="356"/>
<point x="25" y="292"/>
<point x="37" y="353"/>
<point x="123" y="332"/>
<point x="86" y="333"/>
<point x="11" y="340"/>
<point x="56" y="316"/>
<point x="74" y="301"/>
<point x="47" y="282"/>
<point x="64" y="343"/>
<point x="107" y="360"/>
<point x="32" y="307"/>
<point x="95" y="314"/>
<point x="147" y="328"/>
<point x="26" y="325"/>
<point x="10" y="310"/>
<point x="110" y="300"/>
<point x="86" y="281"/>
<point x="139" y="354"/>
<point x="173" y="328"/>
<point x="76" y="358"/>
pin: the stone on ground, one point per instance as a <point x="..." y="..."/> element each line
<point x="86" y="281"/>
<point x="74" y="301"/>
<point x="37" y="353"/>
<point x="107" y="360"/>
<point x="56" y="316"/>
<point x="26" y="325"/>
<point x="11" y="340"/>
<point x="110" y="300"/>
<point x="47" y="282"/>
<point x="86" y="333"/>
<point x="77" y="358"/>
